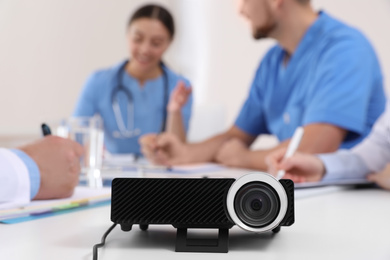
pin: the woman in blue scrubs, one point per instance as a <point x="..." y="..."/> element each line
<point x="139" y="95"/>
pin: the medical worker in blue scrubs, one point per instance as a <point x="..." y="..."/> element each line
<point x="322" y="74"/>
<point x="139" y="95"/>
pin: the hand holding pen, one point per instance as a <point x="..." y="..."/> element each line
<point x="291" y="149"/>
<point x="276" y="158"/>
<point x="58" y="161"/>
<point x="299" y="167"/>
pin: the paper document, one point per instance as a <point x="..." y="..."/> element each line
<point x="82" y="197"/>
<point x="346" y="182"/>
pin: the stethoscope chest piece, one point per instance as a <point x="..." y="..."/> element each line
<point x="134" y="133"/>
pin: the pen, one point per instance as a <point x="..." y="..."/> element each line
<point x="292" y="147"/>
<point x="45" y="129"/>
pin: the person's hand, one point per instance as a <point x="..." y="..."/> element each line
<point x="179" y="97"/>
<point x="164" y="149"/>
<point x="58" y="160"/>
<point x="300" y="167"/>
<point x="233" y="153"/>
<point x="148" y="143"/>
<point x="381" y="178"/>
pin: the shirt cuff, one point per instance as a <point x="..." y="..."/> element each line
<point x="332" y="166"/>
<point x="33" y="171"/>
<point x="343" y="164"/>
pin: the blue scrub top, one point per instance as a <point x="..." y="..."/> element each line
<point x="96" y="98"/>
<point x="333" y="77"/>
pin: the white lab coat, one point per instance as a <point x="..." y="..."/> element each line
<point x="14" y="180"/>
<point x="371" y="155"/>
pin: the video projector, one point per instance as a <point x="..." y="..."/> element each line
<point x="255" y="202"/>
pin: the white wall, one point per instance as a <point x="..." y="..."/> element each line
<point x="48" y="48"/>
<point x="223" y="70"/>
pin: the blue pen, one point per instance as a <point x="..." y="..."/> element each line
<point x="45" y="129"/>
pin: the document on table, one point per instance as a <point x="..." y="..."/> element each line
<point x="310" y="189"/>
<point x="83" y="197"/>
<point x="346" y="182"/>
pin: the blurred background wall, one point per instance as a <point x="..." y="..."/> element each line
<point x="48" y="49"/>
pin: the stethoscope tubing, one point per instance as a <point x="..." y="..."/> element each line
<point x="130" y="130"/>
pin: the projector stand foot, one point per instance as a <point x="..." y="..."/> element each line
<point x="219" y="245"/>
<point x="143" y="227"/>
<point x="276" y="230"/>
<point x="126" y="227"/>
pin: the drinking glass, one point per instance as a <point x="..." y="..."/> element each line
<point x="87" y="131"/>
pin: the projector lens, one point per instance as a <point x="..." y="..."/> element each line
<point x="257" y="204"/>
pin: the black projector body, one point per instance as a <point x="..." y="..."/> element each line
<point x="255" y="202"/>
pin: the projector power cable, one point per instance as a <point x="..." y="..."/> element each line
<point x="95" y="247"/>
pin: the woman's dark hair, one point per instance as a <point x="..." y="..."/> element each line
<point x="155" y="12"/>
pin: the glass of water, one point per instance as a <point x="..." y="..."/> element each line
<point x="87" y="131"/>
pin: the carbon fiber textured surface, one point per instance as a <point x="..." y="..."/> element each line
<point x="180" y="202"/>
<point x="289" y="219"/>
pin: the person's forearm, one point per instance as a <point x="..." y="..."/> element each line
<point x="321" y="138"/>
<point x="374" y="150"/>
<point x="175" y="125"/>
<point x="318" y="138"/>
<point x="256" y="159"/>
<point x="205" y="151"/>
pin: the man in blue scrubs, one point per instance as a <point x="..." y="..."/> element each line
<point x="323" y="75"/>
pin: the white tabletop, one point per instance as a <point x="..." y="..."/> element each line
<point x="343" y="224"/>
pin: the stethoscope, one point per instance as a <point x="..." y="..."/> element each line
<point x="129" y="130"/>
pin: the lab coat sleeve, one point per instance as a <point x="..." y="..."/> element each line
<point x="371" y="155"/>
<point x="14" y="180"/>
<point x="343" y="165"/>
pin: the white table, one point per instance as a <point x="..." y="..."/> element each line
<point x="345" y="224"/>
